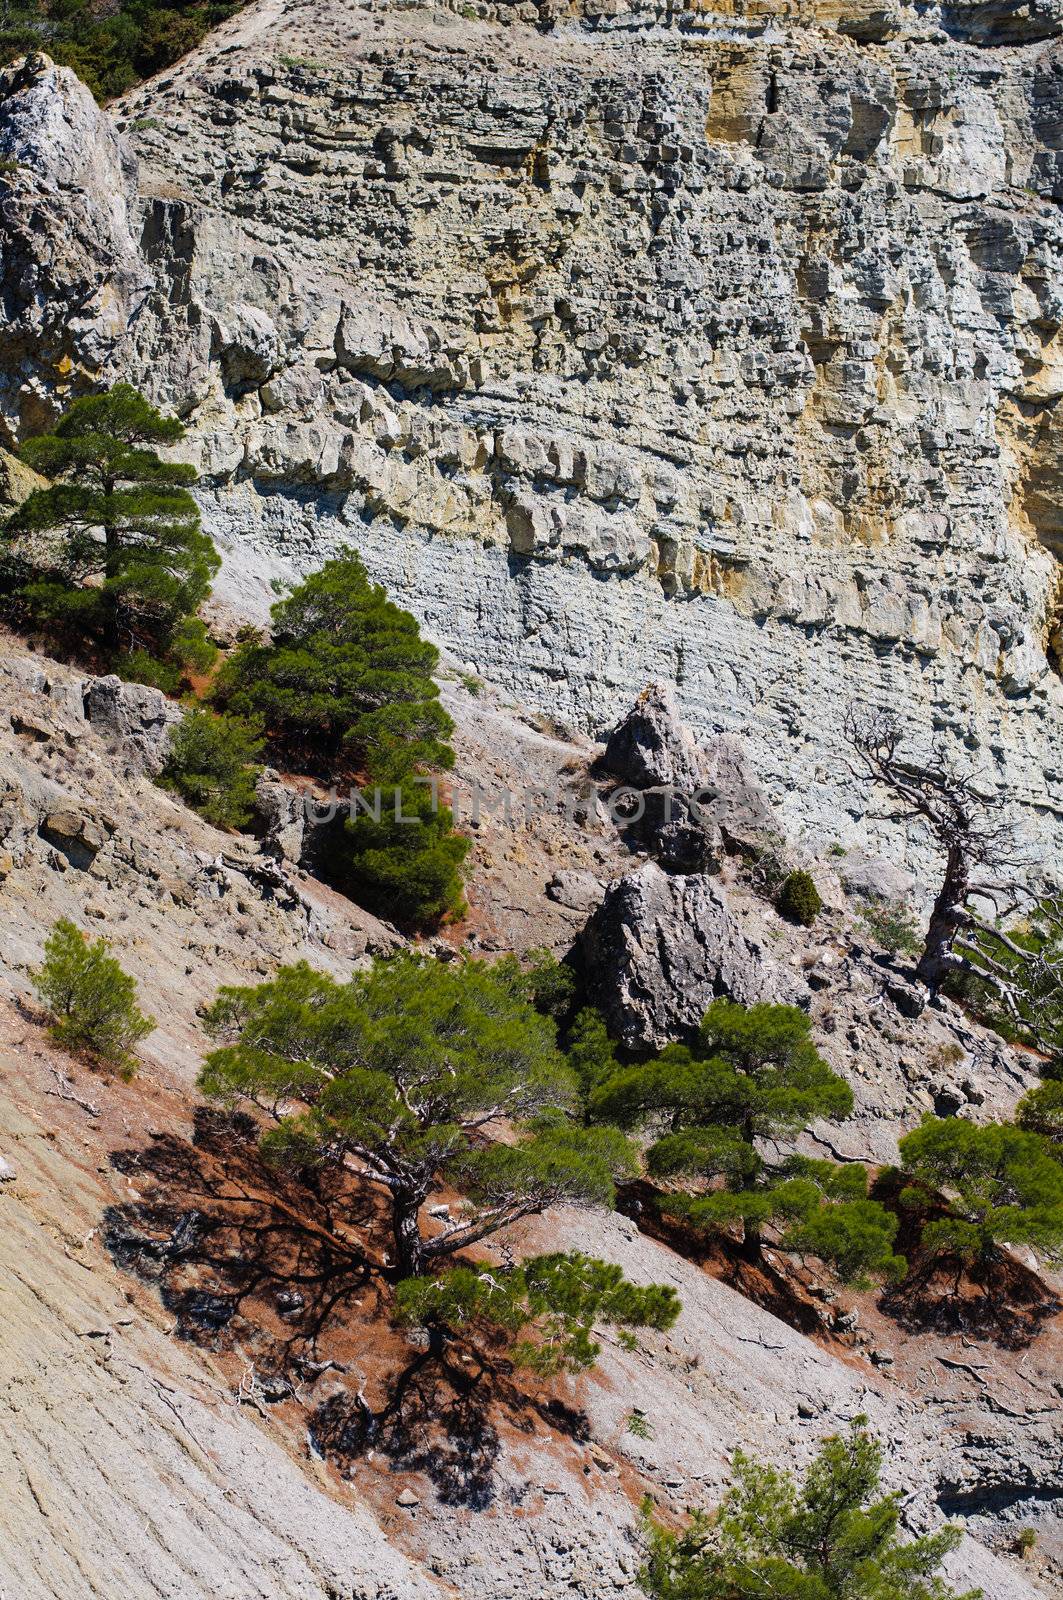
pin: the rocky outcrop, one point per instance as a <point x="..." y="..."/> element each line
<point x="133" y="720"/>
<point x="73" y="275"/>
<point x="17" y="481"/>
<point x="663" y="946"/>
<point x="651" y="747"/>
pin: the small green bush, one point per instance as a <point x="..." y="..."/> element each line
<point x="93" y="1002"/>
<point x="212" y="766"/>
<point x="894" y="928"/>
<point x="799" y="899"/>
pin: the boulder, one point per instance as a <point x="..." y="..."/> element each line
<point x="579" y="891"/>
<point x="281" y="815"/>
<point x="868" y="877"/>
<point x="135" y="718"/>
<point x="78" y="836"/>
<point x="17" y="481"/>
<point x="652" y="746"/>
<point x="679" y="829"/>
<point x="663" y="946"/>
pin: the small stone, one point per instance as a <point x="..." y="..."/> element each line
<point x="7" y="1171"/>
<point x="882" y="1358"/>
<point x="408" y="1499"/>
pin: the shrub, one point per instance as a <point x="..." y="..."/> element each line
<point x="894" y="928"/>
<point x="798" y="899"/>
<point x="1041" y="1111"/>
<point x="92" y="1001"/>
<point x="211" y="765"/>
<point x="113" y="48"/>
<point x="829" y="1537"/>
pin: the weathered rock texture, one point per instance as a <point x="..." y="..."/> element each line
<point x="625" y="343"/>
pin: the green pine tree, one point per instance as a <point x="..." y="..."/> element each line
<point x="832" y="1536"/>
<point x="406" y="865"/>
<point x="92" y="1001"/>
<point x="212" y="765"/>
<point x="590" y="1051"/>
<point x="1002" y="1185"/>
<point x="752" y="1074"/>
<point x="112" y="549"/>
<point x="1041" y="1111"/>
<point x="552" y="1302"/>
<point x="346" y="685"/>
<point x="398" y="1074"/>
<point x="345" y="681"/>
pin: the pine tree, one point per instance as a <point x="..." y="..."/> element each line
<point x="346" y="683"/>
<point x="406" y="863"/>
<point x="212" y="765"/>
<point x="590" y="1051"/>
<point x="1002" y="1185"/>
<point x="396" y="1075"/>
<point x="112" y="550"/>
<point x="752" y="1074"/>
<point x="92" y="1001"/>
<point x="555" y="1302"/>
<point x="347" y="678"/>
<point x="1041" y="1111"/>
<point x="830" y="1537"/>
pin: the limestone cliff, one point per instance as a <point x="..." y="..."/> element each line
<point x="714" y="345"/>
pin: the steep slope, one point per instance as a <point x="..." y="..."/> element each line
<point x="139" y="1463"/>
<point x="531" y="1496"/>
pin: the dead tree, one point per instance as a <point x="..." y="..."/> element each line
<point x="964" y="822"/>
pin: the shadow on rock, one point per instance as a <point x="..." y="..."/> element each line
<point x="224" y="1238"/>
<point x="285" y="1273"/>
<point x="1003" y="1302"/>
<point x="777" y="1288"/>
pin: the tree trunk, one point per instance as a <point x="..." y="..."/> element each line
<point x="752" y="1246"/>
<point x="947" y="921"/>
<point x="406" y="1232"/>
<point x="112" y="553"/>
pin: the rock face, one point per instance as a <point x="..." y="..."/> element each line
<point x="134" y="720"/>
<point x="652" y="747"/>
<point x="627" y="345"/>
<point x="663" y="946"/>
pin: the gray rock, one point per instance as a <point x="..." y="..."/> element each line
<point x="909" y="998"/>
<point x="680" y="830"/>
<point x="740" y="805"/>
<point x="580" y="891"/>
<point x="661" y="947"/>
<point x="652" y="746"/>
<point x="281" y="814"/>
<point x="870" y="878"/>
<point x="133" y="717"/>
<point x="7" y="1171"/>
